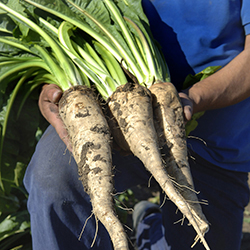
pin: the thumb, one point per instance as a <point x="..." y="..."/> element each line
<point x="187" y="105"/>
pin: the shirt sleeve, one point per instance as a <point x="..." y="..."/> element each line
<point x="245" y="15"/>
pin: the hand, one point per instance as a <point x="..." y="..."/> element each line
<point x="48" y="104"/>
<point x="187" y="105"/>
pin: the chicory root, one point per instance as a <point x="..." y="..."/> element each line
<point x="131" y="106"/>
<point x="170" y="127"/>
<point x="91" y="143"/>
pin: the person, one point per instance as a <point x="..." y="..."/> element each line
<point x="193" y="35"/>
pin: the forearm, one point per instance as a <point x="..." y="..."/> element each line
<point x="226" y="87"/>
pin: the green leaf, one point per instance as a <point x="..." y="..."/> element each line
<point x="247" y="220"/>
<point x="13" y="223"/>
<point x="193" y="123"/>
<point x="7" y="25"/>
<point x="191" y="80"/>
<point x="20" y="136"/>
<point x="94" y="19"/>
<point x="112" y="65"/>
<point x="66" y="65"/>
<point x="15" y="231"/>
<point x="61" y="10"/>
<point x="8" y="204"/>
<point x="95" y="13"/>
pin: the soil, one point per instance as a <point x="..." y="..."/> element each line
<point x="152" y="194"/>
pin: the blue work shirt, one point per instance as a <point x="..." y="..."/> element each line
<point x="194" y="35"/>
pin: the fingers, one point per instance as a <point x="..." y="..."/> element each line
<point x="187" y="105"/>
<point x="48" y="104"/>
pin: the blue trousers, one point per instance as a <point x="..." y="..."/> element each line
<point x="59" y="207"/>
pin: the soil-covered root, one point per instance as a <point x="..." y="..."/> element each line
<point x="90" y="137"/>
<point x="131" y="106"/>
<point x="169" y="124"/>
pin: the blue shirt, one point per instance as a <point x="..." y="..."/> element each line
<point x="196" y="34"/>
